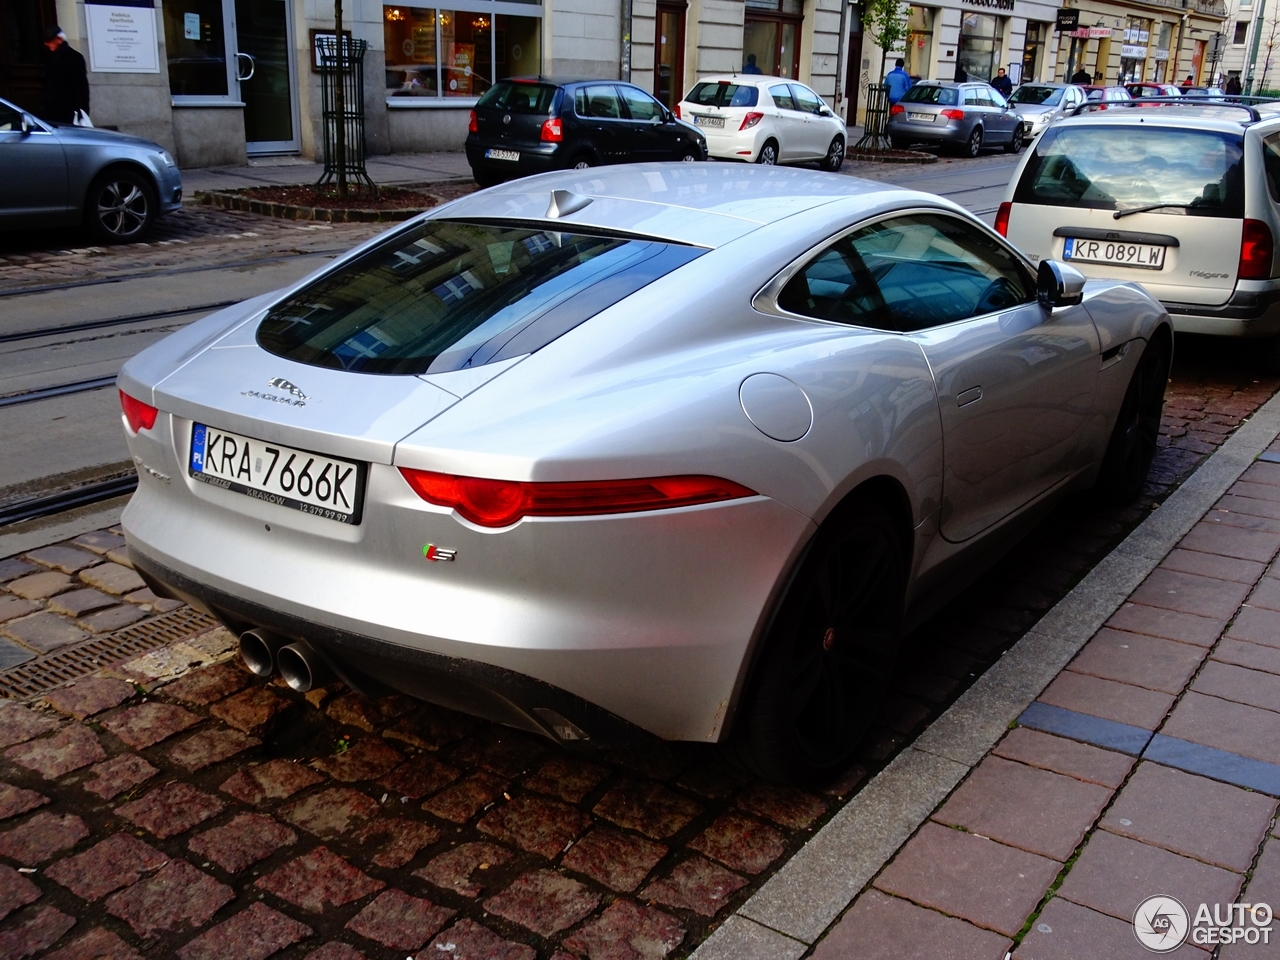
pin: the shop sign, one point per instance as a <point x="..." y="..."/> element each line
<point x="1132" y="51"/>
<point x="1162" y="54"/>
<point x="1092" y="33"/>
<point x="1068" y="20"/>
<point x="992" y="4"/>
<point x="122" y="36"/>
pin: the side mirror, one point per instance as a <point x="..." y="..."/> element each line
<point x="1059" y="284"/>
<point x="25" y="125"/>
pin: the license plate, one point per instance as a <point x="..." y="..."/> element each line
<point x="926" y="117"/>
<point x="322" y="486"/>
<point x="495" y="154"/>
<point x="716" y="122"/>
<point x="1144" y="256"/>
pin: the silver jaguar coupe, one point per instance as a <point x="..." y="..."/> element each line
<point x="663" y="449"/>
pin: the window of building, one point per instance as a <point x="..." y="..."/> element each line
<point x="668" y="76"/>
<point x="1033" y="51"/>
<point x="195" y="38"/>
<point x="457" y="53"/>
<point x="919" y="42"/>
<point x="979" y="53"/>
<point x="1242" y="31"/>
<point x="771" y="38"/>
<point x="1135" y="50"/>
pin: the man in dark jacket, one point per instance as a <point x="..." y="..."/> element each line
<point x="1081" y="76"/>
<point x="66" y="82"/>
<point x="1002" y="83"/>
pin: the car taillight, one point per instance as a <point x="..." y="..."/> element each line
<point x="140" y="416"/>
<point x="1256" y="251"/>
<point x="1002" y="218"/>
<point x="679" y="116"/>
<point x="897" y="108"/>
<point x="953" y="114"/>
<point x="473" y="125"/>
<point x="552" y="130"/>
<point x="500" y="503"/>
<point x="750" y="120"/>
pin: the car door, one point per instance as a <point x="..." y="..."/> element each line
<point x="649" y="135"/>
<point x="791" y="123"/>
<point x="33" y="188"/>
<point x="975" y="108"/>
<point x="600" y="110"/>
<point x="809" y="105"/>
<point x="1005" y="115"/>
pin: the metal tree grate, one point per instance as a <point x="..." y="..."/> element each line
<point x="45" y="673"/>
<point x="874" y="135"/>
<point x="345" y="161"/>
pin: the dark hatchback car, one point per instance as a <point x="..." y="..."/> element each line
<point x="533" y="124"/>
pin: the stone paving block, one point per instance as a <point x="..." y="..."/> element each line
<point x="460" y="802"/>
<point x="1114" y="874"/>
<point x="1266" y="595"/>
<point x="250" y="710"/>
<point x="544" y="901"/>
<point x="467" y="940"/>
<point x="336" y="951"/>
<point x="115" y="862"/>
<point x="1188" y="593"/>
<point x="147" y="600"/>
<point x="19" y="724"/>
<point x="1035" y="810"/>
<point x="63" y="557"/>
<point x="1244" y="654"/>
<point x="112" y="578"/>
<point x="246" y="839"/>
<point x="454" y="869"/>
<point x="880" y="927"/>
<point x="41" y="929"/>
<point x="13" y="568"/>
<point x="568" y="778"/>
<point x="209" y="746"/>
<point x="1067" y="931"/>
<point x="16" y="800"/>
<point x="1257" y="626"/>
<point x="208" y="684"/>
<point x="1263" y="887"/>
<point x="740" y="843"/>
<point x="545" y="827"/>
<point x="1254" y="491"/>
<point x="696" y="884"/>
<point x="177" y="897"/>
<point x="712" y="781"/>
<point x="69" y="749"/>
<point x="89" y="695"/>
<point x="618" y="860"/>
<point x="366" y="759"/>
<point x="273" y="780"/>
<point x="44" y="632"/>
<point x="12" y="654"/>
<point x="1232" y="541"/>
<point x="13" y="607"/>
<point x="626" y="931"/>
<point x="355" y="710"/>
<point x="171" y="808"/>
<point x="77" y="603"/>
<point x="1233" y="727"/>
<point x="1170" y="624"/>
<point x="97" y="944"/>
<point x="397" y="840"/>
<point x="99" y="541"/>
<point x="1080" y="760"/>
<point x="429" y="728"/>
<point x="967" y="876"/>
<point x="785" y="806"/>
<point x="420" y="777"/>
<point x="252" y="934"/>
<point x="1132" y="658"/>
<point x="1213" y="565"/>
<point x="318" y="879"/>
<point x="112" y="619"/>
<point x="1121" y="702"/>
<point x="121" y="556"/>
<point x="399" y="921"/>
<point x="1250" y="506"/>
<point x="41" y="837"/>
<point x="330" y="813"/>
<point x="15" y="891"/>
<point x="40" y="586"/>
<point x="147" y="724"/>
<point x="113" y="777"/>
<point x="1253" y="687"/>
<point x="508" y="755"/>
<point x="1194" y="816"/>
<point x="647" y="808"/>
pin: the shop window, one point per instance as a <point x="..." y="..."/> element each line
<point x="196" y="42"/>
<point x="979" y="53"/>
<point x="771" y="38"/>
<point x="919" y="42"/>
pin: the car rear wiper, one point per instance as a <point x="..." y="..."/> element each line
<point x="1150" y="206"/>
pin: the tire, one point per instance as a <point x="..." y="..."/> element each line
<point x="689" y="157"/>
<point x="120" y="206"/>
<point x="973" y="146"/>
<point x="583" y="161"/>
<point x="1133" y="439"/>
<point x="768" y="153"/>
<point x="1015" y="142"/>
<point x="830" y="652"/>
<point x="487" y="178"/>
<point x="834" y="159"/>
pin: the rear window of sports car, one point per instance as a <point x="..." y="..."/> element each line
<point x="447" y="295"/>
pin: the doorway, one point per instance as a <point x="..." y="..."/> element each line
<point x="265" y="71"/>
<point x="22" y="54"/>
<point x="668" y="74"/>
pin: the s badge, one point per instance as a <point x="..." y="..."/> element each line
<point x="434" y="553"/>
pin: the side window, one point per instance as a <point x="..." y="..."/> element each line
<point x="835" y="285"/>
<point x="10" y="119"/>
<point x="984" y="97"/>
<point x="598" y="101"/>
<point x="781" y="94"/>
<point x="640" y="105"/>
<point x="1271" y="164"/>
<point x="971" y="97"/>
<point x="997" y="100"/>
<point x="806" y="99"/>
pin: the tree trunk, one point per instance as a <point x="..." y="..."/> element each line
<point x="340" y="100"/>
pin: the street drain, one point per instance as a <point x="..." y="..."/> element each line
<point x="45" y="673"/>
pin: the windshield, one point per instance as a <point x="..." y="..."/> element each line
<point x="535" y="98"/>
<point x="721" y="94"/>
<point x="922" y="93"/>
<point x="1106" y="168"/>
<point x="1046" y="96"/>
<point x="445" y="295"/>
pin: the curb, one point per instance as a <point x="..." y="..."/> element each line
<point x="235" y="200"/>
<point x="789" y="914"/>
<point x="891" y="156"/>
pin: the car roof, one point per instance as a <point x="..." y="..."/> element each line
<point x="561" y="81"/>
<point x="747" y="78"/>
<point x="1211" y="116"/>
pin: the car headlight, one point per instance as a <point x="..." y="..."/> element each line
<point x="168" y="159"/>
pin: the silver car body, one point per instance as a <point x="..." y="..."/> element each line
<point x="640" y="620"/>
<point x="1037" y="117"/>
<point x="980" y="106"/>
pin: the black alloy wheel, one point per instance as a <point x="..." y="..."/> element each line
<point x="1015" y="141"/>
<point x="1133" y="441"/>
<point x="835" y="155"/>
<point x="974" y="145"/>
<point x="768" y="153"/>
<point x="830" y="652"/>
<point x="120" y="206"/>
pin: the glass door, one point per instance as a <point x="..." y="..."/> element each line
<point x="668" y="81"/>
<point x="265" y="72"/>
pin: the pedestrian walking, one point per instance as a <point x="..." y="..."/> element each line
<point x="1233" y="86"/>
<point x="66" y="82"/>
<point x="1188" y="83"/>
<point x="1002" y="83"/>
<point x="898" y="81"/>
<point x="1081" y="77"/>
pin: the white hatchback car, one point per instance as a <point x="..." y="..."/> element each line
<point x="764" y="120"/>
<point x="1182" y="199"/>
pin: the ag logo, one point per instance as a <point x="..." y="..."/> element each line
<point x="434" y="553"/>
<point x="280" y="383"/>
<point x="1160" y="923"/>
<point x="506" y="118"/>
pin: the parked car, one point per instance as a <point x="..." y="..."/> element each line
<point x="672" y="450"/>
<point x="1181" y="200"/>
<point x="764" y="120"/>
<point x="56" y="175"/>
<point x="1040" y="104"/>
<point x="1138" y="90"/>
<point x="1106" y="95"/>
<point x="1204" y="92"/>
<point x="534" y="124"/>
<point x="963" y="116"/>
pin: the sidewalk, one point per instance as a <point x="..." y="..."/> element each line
<point x="277" y="171"/>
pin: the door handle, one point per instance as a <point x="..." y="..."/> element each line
<point x="966" y="397"/>
<point x="252" y="66"/>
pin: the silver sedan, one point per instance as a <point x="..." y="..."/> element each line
<point x="665" y="449"/>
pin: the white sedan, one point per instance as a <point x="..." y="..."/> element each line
<point x="764" y="120"/>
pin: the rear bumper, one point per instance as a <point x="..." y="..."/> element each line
<point x="533" y="159"/>
<point x="953" y="131"/>
<point x="1249" y="313"/>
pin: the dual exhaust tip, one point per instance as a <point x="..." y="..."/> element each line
<point x="264" y="653"/>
